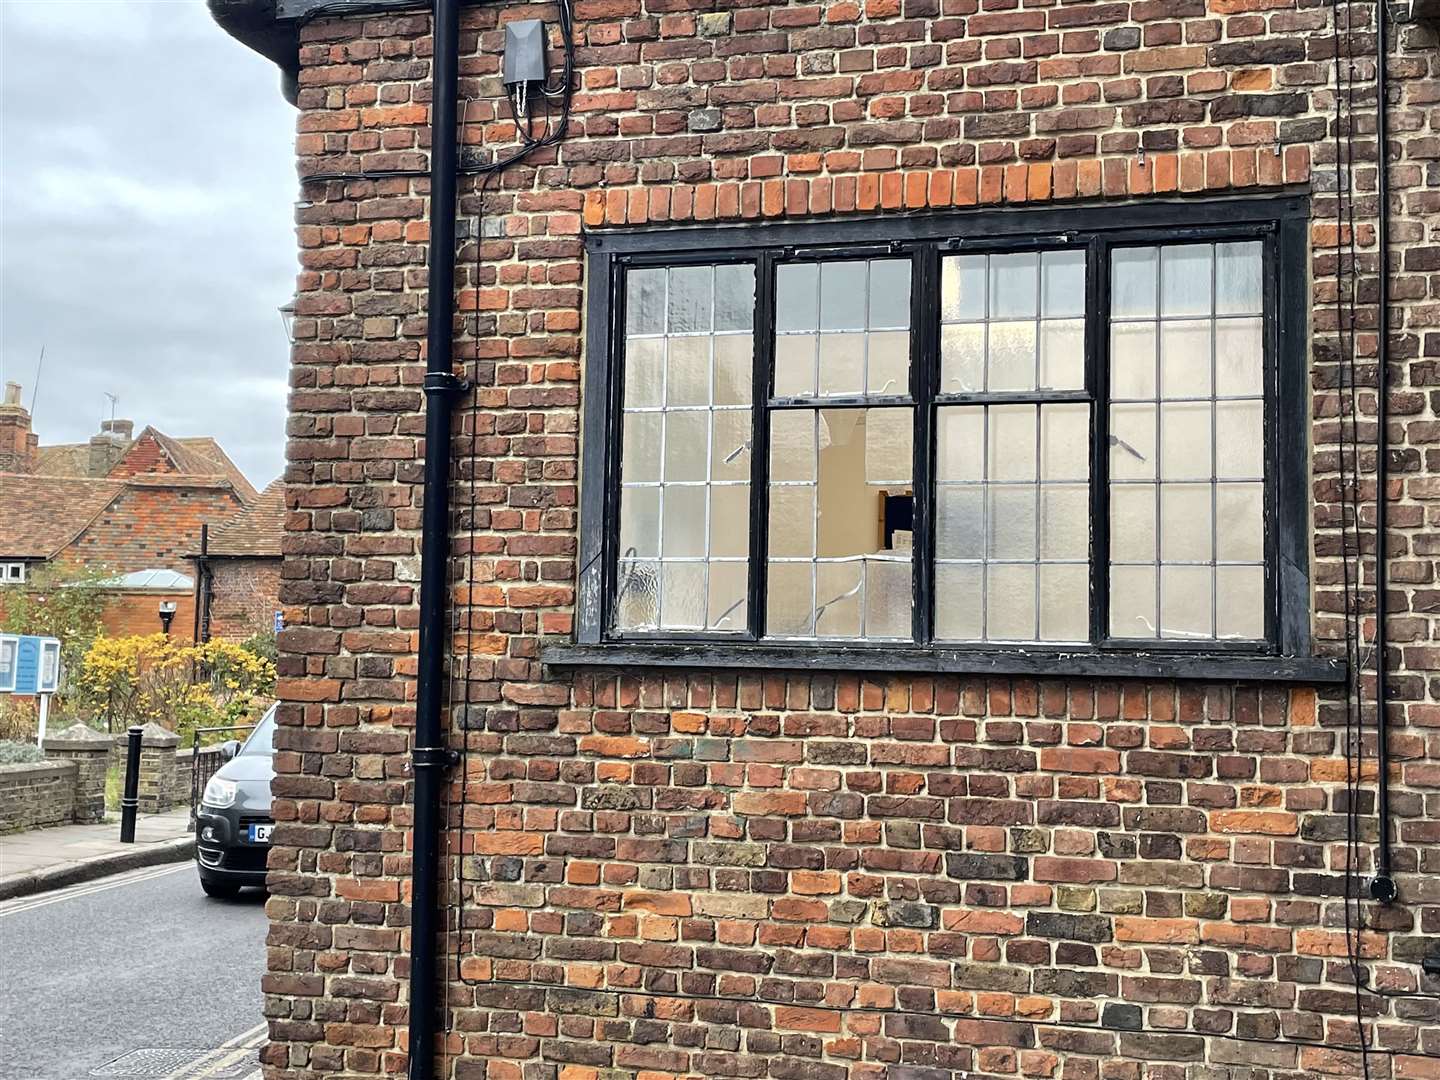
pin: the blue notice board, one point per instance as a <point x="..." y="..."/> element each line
<point x="37" y="665"/>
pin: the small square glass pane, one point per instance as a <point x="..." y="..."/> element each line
<point x="1239" y="357"/>
<point x="640" y="447"/>
<point x="1132" y="361"/>
<point x="890" y="294"/>
<point x="1062" y="277"/>
<point x="687" y="371"/>
<point x="789" y="599"/>
<point x="839" y="599"/>
<point x="962" y="288"/>
<point x="1132" y="522"/>
<point x="734" y="298"/>
<point x="961" y="443"/>
<point x="795" y="357"/>
<point x="734" y="369"/>
<point x="887" y="369"/>
<point x="1185" y="602"/>
<point x="1014" y="285"/>
<point x="1238" y="270"/>
<point x="640" y="522"/>
<point x="792" y="522"/>
<point x="637" y="594"/>
<point x="889" y="454"/>
<point x="962" y="358"/>
<point x="792" y="445"/>
<point x="1185" y="440"/>
<point x="1134" y="282"/>
<point x="1064" y="602"/>
<point x="728" y="605"/>
<point x="1062" y="354"/>
<point x="645" y="302"/>
<point x="1185" y="358"/>
<point x="729" y="521"/>
<point x="644" y="372"/>
<point x="730" y="445"/>
<point x="1012" y="356"/>
<point x="1132" y="442"/>
<point x="1185" y="272"/>
<point x="690" y="304"/>
<point x="1185" y="523"/>
<point x="960" y="521"/>
<point x="1012" y="443"/>
<point x="1240" y="522"/>
<point x="1010" y="520"/>
<point x="1132" y="602"/>
<point x="1064" y="521"/>
<point x="687" y="444"/>
<point x="1240" y="602"/>
<point x="843" y="295"/>
<point x="889" y="598"/>
<point x="959" y="601"/>
<point x="797" y="296"/>
<point x="684" y="522"/>
<point x="1064" y="442"/>
<point x="1239" y="440"/>
<point x="1010" y="603"/>
<point x="682" y="596"/>
<point x="842" y="364"/>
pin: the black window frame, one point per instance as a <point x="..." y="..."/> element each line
<point x="1280" y="222"/>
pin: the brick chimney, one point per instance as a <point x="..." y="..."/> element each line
<point x="19" y="446"/>
<point x="109" y="445"/>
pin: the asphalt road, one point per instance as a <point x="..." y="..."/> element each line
<point x="142" y="961"/>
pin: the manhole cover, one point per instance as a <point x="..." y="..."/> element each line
<point x="224" y="1064"/>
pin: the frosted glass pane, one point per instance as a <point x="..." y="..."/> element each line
<point x="1132" y="522"/>
<point x="640" y="521"/>
<point x="1133" y="282"/>
<point x="729" y="608"/>
<point x="1010" y="603"/>
<point x="792" y="445"/>
<point x="958" y="601"/>
<point x="1011" y="522"/>
<point x="1062" y="354"/>
<point x="1185" y="280"/>
<point x="839" y="599"/>
<point x="1132" y="360"/>
<point x="684" y="522"/>
<point x="842" y="364"/>
<point x="729" y="521"/>
<point x="792" y="522"/>
<point x="1238" y="271"/>
<point x="687" y="438"/>
<point x="889" y="457"/>
<point x="645" y="302"/>
<point x="687" y="371"/>
<point x="889" y="364"/>
<point x="962" y="358"/>
<point x="1014" y="282"/>
<point x="1239" y="357"/>
<point x="961" y="443"/>
<point x="1132" y="601"/>
<point x="1185" y="358"/>
<point x="734" y="370"/>
<point x="1062" y="276"/>
<point x="959" y="522"/>
<point x="640" y="447"/>
<point x="1064" y="522"/>
<point x="690" y="305"/>
<point x="730" y="445"/>
<point x="1240" y="522"/>
<point x="1012" y="356"/>
<point x="1064" y="603"/>
<point x="1012" y="442"/>
<point x="1185" y="602"/>
<point x="842" y="296"/>
<point x="637" y="595"/>
<point x="1185" y="441"/>
<point x="1132" y="442"/>
<point x="644" y="367"/>
<point x="797" y="296"/>
<point x="795" y="365"/>
<point x="682" y="596"/>
<point x="1064" y="442"/>
<point x="890" y="294"/>
<point x="1240" y="439"/>
<point x="962" y="288"/>
<point x="1240" y="602"/>
<point x="889" y="598"/>
<point x="734" y="297"/>
<point x="789" y="600"/>
<point x="1185" y="522"/>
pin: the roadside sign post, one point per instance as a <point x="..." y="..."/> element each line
<point x="30" y="665"/>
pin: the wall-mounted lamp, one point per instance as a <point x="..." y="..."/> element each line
<point x="167" y="614"/>
<point x="287" y="318"/>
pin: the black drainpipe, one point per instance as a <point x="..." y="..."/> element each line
<point x="1382" y="885"/>
<point x="429" y="754"/>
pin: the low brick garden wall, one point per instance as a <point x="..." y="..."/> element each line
<point x="37" y="794"/>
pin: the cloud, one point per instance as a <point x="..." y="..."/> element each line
<point x="146" y="221"/>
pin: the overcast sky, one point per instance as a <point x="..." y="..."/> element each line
<point x="147" y="185"/>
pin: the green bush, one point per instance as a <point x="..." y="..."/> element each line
<point x="19" y="753"/>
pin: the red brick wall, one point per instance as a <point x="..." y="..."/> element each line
<point x="818" y="876"/>
<point x="245" y="594"/>
<point x="130" y="613"/>
<point x="152" y="527"/>
<point x="144" y="457"/>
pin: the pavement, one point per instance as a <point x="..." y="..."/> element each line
<point x="140" y="974"/>
<point x="44" y="859"/>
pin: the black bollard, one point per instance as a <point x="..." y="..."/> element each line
<point x="130" y="801"/>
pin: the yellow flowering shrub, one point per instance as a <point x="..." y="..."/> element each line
<point x="178" y="685"/>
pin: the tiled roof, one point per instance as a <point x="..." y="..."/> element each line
<point x="199" y="456"/>
<point x="63" y="459"/>
<point x="256" y="530"/>
<point x="42" y="514"/>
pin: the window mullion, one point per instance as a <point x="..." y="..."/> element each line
<point x="924" y="380"/>
<point x="761" y="381"/>
<point x="1097" y="381"/>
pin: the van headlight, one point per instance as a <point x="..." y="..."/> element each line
<point x="219" y="793"/>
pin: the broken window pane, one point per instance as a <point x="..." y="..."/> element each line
<point x="685" y="450"/>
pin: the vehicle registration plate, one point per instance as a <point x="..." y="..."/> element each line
<point x="260" y="834"/>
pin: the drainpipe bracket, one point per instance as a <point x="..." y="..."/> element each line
<point x="1383" y="889"/>
<point x="434" y="757"/>
<point x="442" y="382"/>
